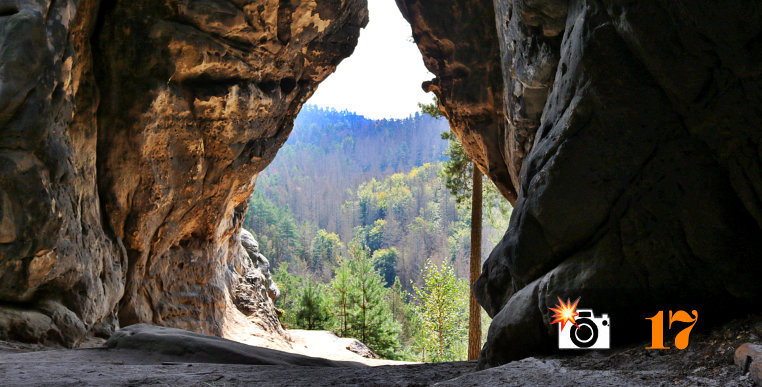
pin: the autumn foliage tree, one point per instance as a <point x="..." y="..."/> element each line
<point x="343" y="181"/>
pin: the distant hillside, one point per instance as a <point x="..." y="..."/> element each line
<point x="329" y="152"/>
<point x="342" y="177"/>
<point x="356" y="218"/>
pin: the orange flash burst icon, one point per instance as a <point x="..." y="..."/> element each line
<point x="565" y="312"/>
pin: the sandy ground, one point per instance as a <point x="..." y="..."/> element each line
<point x="327" y="345"/>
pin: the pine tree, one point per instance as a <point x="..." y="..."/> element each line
<point x="326" y="249"/>
<point x="370" y="320"/>
<point x="475" y="266"/>
<point x="402" y="312"/>
<point x="288" y="285"/>
<point x="312" y="308"/>
<point x="458" y="170"/>
<point x="341" y="287"/>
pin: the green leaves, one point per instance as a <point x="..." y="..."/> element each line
<point x="432" y="108"/>
<point x="326" y="249"/>
<point x="341" y="288"/>
<point x="457" y="170"/>
<point x="442" y="310"/>
<point x="288" y="285"/>
<point x="370" y="318"/>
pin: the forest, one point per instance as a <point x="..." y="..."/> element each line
<point x="366" y="237"/>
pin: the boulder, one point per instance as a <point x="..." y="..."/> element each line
<point x="260" y="262"/>
<point x="749" y="358"/>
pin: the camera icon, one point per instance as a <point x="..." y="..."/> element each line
<point x="589" y="333"/>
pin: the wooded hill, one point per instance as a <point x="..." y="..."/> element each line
<point x="364" y="236"/>
<point x="342" y="177"/>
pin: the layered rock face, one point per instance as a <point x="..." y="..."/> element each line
<point x="62" y="270"/>
<point x="469" y="78"/>
<point x="631" y="132"/>
<point x="131" y="134"/>
<point x="200" y="95"/>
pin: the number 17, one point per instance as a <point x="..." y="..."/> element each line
<point x="657" y="329"/>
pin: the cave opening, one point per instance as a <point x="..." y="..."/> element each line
<point x="360" y="187"/>
<point x="132" y="135"/>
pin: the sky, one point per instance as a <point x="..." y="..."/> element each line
<point x="382" y="78"/>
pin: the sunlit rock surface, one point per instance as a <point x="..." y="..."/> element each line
<point x="631" y="136"/>
<point x="131" y="134"/>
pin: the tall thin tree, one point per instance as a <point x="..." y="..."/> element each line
<point x="456" y="172"/>
<point x="474" y="310"/>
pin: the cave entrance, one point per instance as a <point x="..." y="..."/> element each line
<point x="355" y="206"/>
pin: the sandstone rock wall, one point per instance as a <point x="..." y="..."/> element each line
<point x="468" y="81"/>
<point x="632" y="135"/>
<point x="199" y="107"/>
<point x="131" y="134"/>
<point x="62" y="272"/>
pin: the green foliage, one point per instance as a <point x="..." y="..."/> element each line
<point x="404" y="313"/>
<point x="329" y="152"/>
<point x="356" y="304"/>
<point x="375" y="238"/>
<point x="312" y="308"/>
<point x="379" y="188"/>
<point x="370" y="319"/>
<point x="432" y="108"/>
<point x="372" y="235"/>
<point x="457" y="170"/>
<point x="266" y="220"/>
<point x="341" y="289"/>
<point x="458" y="174"/>
<point x="497" y="209"/>
<point x="328" y="155"/>
<point x="411" y="212"/>
<point x="288" y="285"/>
<point x="386" y="263"/>
<point x="326" y="249"/>
<point x="443" y="311"/>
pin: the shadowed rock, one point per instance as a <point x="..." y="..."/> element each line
<point x="131" y="133"/>
<point x="190" y="347"/>
<point x="631" y="134"/>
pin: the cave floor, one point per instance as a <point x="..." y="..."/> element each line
<point x="708" y="361"/>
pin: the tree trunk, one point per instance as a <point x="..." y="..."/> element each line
<point x="474" y="319"/>
<point x="344" y="314"/>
